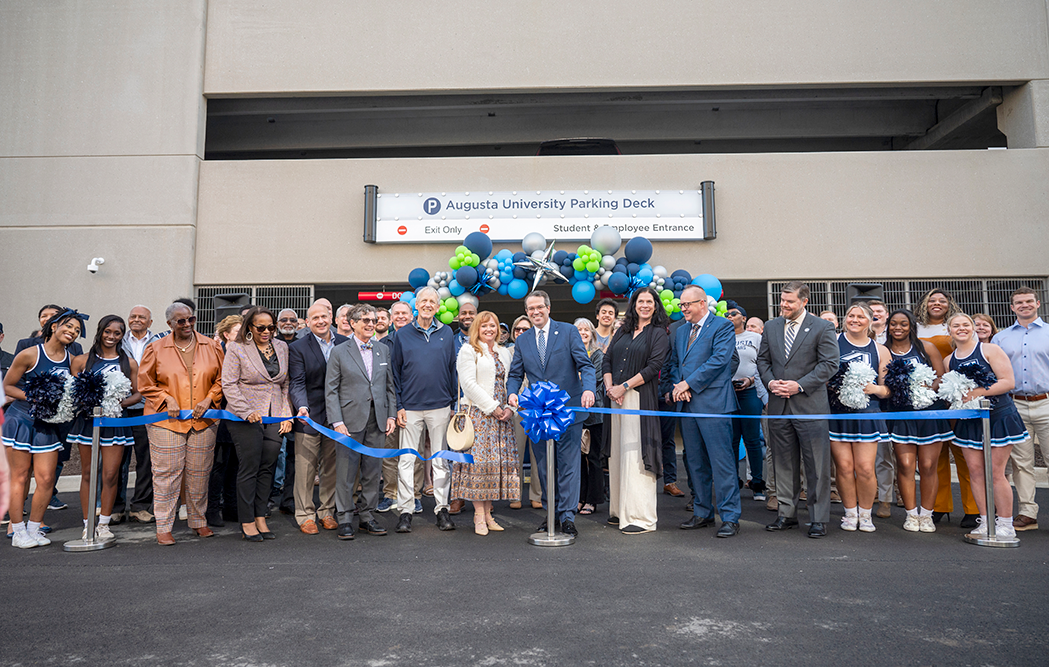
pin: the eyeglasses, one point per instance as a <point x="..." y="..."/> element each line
<point x="288" y="319"/>
<point x="688" y="304"/>
<point x="521" y="329"/>
<point x="535" y="309"/>
<point x="264" y="327"/>
<point x="367" y="320"/>
<point x="186" y="320"/>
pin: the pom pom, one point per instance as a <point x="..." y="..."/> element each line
<point x="65" y="410"/>
<point x="898" y="380"/>
<point x="44" y="393"/>
<point x="857" y="376"/>
<point x="88" y="390"/>
<point x="982" y="376"/>
<point x="118" y="387"/>
<point x="922" y="395"/>
<point x="833" y="387"/>
<point x="954" y="386"/>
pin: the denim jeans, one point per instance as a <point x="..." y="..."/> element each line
<point x="750" y="431"/>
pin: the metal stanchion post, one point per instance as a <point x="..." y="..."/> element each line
<point x="91" y="544"/>
<point x="552" y="537"/>
<point x="991" y="540"/>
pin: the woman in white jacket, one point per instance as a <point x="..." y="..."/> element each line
<point x="482" y="367"/>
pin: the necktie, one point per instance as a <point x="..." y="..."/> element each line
<point x="692" y="336"/>
<point x="541" y="344"/>
<point x="792" y="329"/>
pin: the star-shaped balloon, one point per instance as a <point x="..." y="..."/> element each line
<point x="543" y="267"/>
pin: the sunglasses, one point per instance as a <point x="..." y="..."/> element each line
<point x="264" y="327"/>
<point x="368" y="320"/>
<point x="288" y="319"/>
<point x="521" y="329"/>
<point x="186" y="320"/>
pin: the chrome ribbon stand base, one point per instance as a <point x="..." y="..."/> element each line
<point x="91" y="544"/>
<point x="991" y="539"/>
<point x="552" y="537"/>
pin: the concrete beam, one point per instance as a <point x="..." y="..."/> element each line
<point x="942" y="131"/>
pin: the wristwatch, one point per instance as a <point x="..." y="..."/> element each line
<point x="626" y="385"/>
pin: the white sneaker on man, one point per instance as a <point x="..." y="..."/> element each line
<point x="926" y="525"/>
<point x="912" y="523"/>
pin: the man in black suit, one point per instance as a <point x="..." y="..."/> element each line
<point x="797" y="357"/>
<point x="307" y="369"/>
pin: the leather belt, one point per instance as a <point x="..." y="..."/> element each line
<point x="1038" y="397"/>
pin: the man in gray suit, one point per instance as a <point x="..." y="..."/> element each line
<point x="797" y="357"/>
<point x="361" y="402"/>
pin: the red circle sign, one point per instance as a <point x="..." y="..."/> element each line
<point x="484" y="229"/>
<point x="402" y="230"/>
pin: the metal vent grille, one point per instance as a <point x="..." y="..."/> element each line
<point x="274" y="297"/>
<point x="975" y="295"/>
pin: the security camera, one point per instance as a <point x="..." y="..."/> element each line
<point x="95" y="263"/>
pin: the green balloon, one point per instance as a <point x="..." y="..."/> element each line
<point x="675" y="300"/>
<point x="451" y="304"/>
<point x="474" y="259"/>
<point x="722" y="305"/>
<point x="592" y="266"/>
<point x="462" y="250"/>
<point x="677" y="308"/>
<point x="578" y="264"/>
<point x="454" y="263"/>
<point x="582" y="250"/>
<point x="667" y="307"/>
<point x="666" y="295"/>
<point x="441" y="309"/>
<point x="446" y="317"/>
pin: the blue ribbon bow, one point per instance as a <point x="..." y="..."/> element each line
<point x="544" y="415"/>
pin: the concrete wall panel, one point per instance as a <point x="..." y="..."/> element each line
<point x="311" y="46"/>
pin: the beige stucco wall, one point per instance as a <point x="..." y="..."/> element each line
<point x="832" y="215"/>
<point x="101" y="137"/>
<point x="402" y="45"/>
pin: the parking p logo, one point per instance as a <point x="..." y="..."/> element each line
<point x="431" y="206"/>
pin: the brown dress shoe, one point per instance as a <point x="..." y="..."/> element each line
<point x="672" y="490"/>
<point x="309" y="527"/>
<point x="204" y="532"/>
<point x="165" y="539"/>
<point x="457" y="506"/>
<point x="772" y="504"/>
<point x="1024" y="522"/>
<point x="329" y="523"/>
<point x="536" y="505"/>
<point x="884" y="510"/>
<point x="515" y="504"/>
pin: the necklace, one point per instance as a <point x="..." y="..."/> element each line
<point x="188" y="345"/>
<point x="268" y="351"/>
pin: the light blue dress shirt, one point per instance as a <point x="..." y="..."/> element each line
<point x="1028" y="349"/>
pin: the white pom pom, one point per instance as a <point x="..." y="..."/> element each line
<point x="954" y="387"/>
<point x="857" y="376"/>
<point x="118" y="387"/>
<point x="922" y="395"/>
<point x="64" y="412"/>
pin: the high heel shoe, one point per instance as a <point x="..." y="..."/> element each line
<point x="267" y="535"/>
<point x="492" y="525"/>
<point x="480" y="526"/>
<point x="257" y="537"/>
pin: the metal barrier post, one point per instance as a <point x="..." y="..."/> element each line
<point x="552" y="537"/>
<point x="91" y="544"/>
<point x="991" y="540"/>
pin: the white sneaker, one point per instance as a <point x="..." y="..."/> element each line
<point x="981" y="528"/>
<point x="103" y="533"/>
<point x="866" y="525"/>
<point x="912" y="524"/>
<point x="22" y="540"/>
<point x="41" y="539"/>
<point x="849" y="523"/>
<point x="1004" y="530"/>
<point x="182" y="514"/>
<point x="926" y="525"/>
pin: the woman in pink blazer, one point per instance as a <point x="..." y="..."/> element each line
<point x="255" y="384"/>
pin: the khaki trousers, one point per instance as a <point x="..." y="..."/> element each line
<point x="314" y="454"/>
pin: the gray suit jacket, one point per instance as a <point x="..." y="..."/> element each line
<point x="812" y="363"/>
<point x="349" y="396"/>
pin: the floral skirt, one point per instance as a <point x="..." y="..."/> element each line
<point x="493" y="474"/>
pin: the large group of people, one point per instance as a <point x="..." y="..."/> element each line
<point x="398" y="378"/>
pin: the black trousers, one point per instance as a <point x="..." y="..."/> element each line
<point x="258" y="446"/>
<point x="142" y="496"/>
<point x="222" y="485"/>
<point x="591" y="479"/>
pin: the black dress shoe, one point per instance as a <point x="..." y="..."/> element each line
<point x="215" y="519"/>
<point x="444" y="522"/>
<point x="345" y="531"/>
<point x="267" y="535"/>
<point x="782" y="523"/>
<point x="404" y="524"/>
<point x="938" y="516"/>
<point x="371" y="527"/>
<point x="541" y="528"/>
<point x="969" y="521"/>
<point x="697" y="522"/>
<point x="728" y="529"/>
<point x="568" y="528"/>
<point x="257" y="537"/>
<point x="817" y="529"/>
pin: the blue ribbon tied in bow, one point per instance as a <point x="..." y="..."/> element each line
<point x="544" y="415"/>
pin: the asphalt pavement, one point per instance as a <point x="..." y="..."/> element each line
<point x="672" y="597"/>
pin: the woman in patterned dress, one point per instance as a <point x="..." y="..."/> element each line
<point x="482" y="367"/>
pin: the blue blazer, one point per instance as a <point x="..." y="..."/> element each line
<point x="567" y="363"/>
<point x="307" y="370"/>
<point x="707" y="366"/>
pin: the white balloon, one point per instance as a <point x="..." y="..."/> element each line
<point x="492" y="264"/>
<point x="712" y="304"/>
<point x="608" y="262"/>
<point x="660" y="271"/>
<point x="533" y="241"/>
<point x="444" y="293"/>
<point x="538" y="254"/>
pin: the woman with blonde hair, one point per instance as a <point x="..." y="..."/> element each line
<point x="482" y="366"/>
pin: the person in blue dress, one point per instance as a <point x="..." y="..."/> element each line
<point x="1007" y="429"/>
<point x="854" y="443"/>
<point x="30" y="442"/>
<point x="106" y="356"/>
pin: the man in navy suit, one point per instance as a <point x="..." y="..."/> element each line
<point x="554" y="352"/>
<point x="702" y="376"/>
<point x="307" y="366"/>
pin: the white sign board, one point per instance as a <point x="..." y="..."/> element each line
<point x="569" y="215"/>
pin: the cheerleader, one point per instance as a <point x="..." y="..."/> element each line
<point x="106" y="357"/>
<point x="854" y="443"/>
<point x="29" y="441"/>
<point x="1007" y="429"/>
<point x="918" y="439"/>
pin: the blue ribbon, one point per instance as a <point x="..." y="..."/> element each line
<point x="849" y="416"/>
<point x="544" y="415"/>
<point x="345" y="440"/>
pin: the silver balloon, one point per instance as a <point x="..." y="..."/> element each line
<point x="432" y="283"/>
<point x="660" y="271"/>
<point x="661" y="281"/>
<point x="443" y="292"/>
<point x="712" y="305"/>
<point x="494" y="282"/>
<point x="533" y="241"/>
<point x="606" y="240"/>
<point x="539" y="254"/>
<point x="467" y="297"/>
<point x="608" y="262"/>
<point x="492" y="264"/>
<point x="442" y="284"/>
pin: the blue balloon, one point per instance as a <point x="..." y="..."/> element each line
<point x="519" y="257"/>
<point x="618" y="283"/>
<point x="622" y="261"/>
<point x="517" y="289"/>
<point x="503" y="289"/>
<point x="479" y="244"/>
<point x="645" y="275"/>
<point x="418" y="277"/>
<point x="581" y="275"/>
<point x="633" y="268"/>
<point x="683" y="275"/>
<point x="407" y="297"/>
<point x="560" y="256"/>
<point x="619" y="268"/>
<point x="506" y="276"/>
<point x="504" y="255"/>
<point x="519" y="273"/>
<point x="567" y="271"/>
<point x="466" y="276"/>
<point x="583" y="292"/>
<point x="710" y="285"/>
<point x="638" y="250"/>
<point x="455" y="288"/>
<point x="676" y="316"/>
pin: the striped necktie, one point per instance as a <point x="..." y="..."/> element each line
<point x="792" y="330"/>
<point x="541" y="344"/>
<point x="692" y="336"/>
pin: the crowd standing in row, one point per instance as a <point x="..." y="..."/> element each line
<point x="393" y="380"/>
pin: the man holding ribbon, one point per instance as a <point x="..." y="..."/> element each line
<point x="553" y="352"/>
